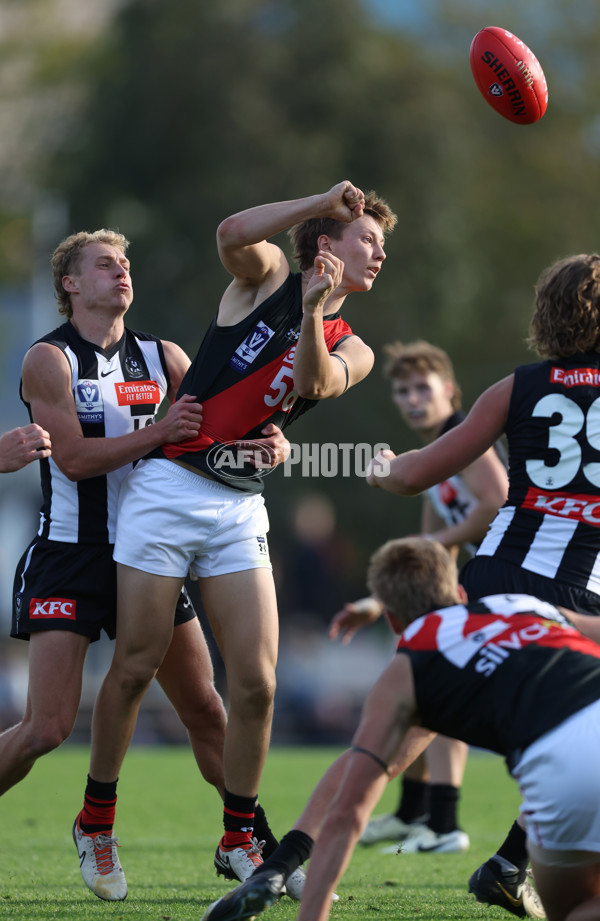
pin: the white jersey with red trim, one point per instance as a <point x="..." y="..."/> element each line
<point x="550" y="523"/>
<point x="115" y="391"/>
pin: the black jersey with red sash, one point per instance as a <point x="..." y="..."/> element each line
<point x="500" y="672"/>
<point x="550" y="524"/>
<point x="243" y="376"/>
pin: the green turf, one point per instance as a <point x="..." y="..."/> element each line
<point x="169" y="823"/>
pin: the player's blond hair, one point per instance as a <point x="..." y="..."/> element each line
<point x="402" y="360"/>
<point x="66" y="256"/>
<point x="411" y="576"/>
<point x="305" y="236"/>
<point x="566" y="317"/>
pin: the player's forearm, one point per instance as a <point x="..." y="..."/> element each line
<point x="264" y="221"/>
<point x="313" y="374"/>
<point x="91" y="457"/>
<point x="471" y="530"/>
<point x="398" y="474"/>
<point x="328" y="862"/>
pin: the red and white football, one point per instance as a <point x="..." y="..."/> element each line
<point x="508" y="75"/>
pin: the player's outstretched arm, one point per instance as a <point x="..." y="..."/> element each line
<point x="386" y="719"/>
<point x="22" y="445"/>
<point x="414" y="471"/>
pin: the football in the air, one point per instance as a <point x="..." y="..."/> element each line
<point x="509" y="75"/>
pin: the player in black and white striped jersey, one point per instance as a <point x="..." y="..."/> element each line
<point x="545" y="540"/>
<point x="96" y="386"/>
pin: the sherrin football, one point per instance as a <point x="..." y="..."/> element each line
<point x="508" y="75"/>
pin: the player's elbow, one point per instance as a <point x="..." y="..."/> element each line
<point x="411" y="482"/>
<point x="230" y="233"/>
<point x="73" y="469"/>
<point x="311" y="390"/>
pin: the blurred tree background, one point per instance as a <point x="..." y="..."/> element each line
<point x="161" y="119"/>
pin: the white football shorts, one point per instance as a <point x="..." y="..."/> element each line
<point x="172" y="521"/>
<point x="559" y="779"/>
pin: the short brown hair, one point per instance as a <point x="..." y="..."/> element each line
<point x="411" y="576"/>
<point x="304" y="236"/>
<point x="66" y="256"/>
<point x="566" y="318"/>
<point x="422" y="358"/>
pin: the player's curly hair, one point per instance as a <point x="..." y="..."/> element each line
<point x="411" y="576"/>
<point x="423" y="358"/>
<point x="566" y="317"/>
<point x="304" y="236"/>
<point x="66" y="256"/>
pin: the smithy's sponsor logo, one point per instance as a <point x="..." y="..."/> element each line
<point x="252" y="346"/>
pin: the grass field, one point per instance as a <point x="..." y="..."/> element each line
<point x="169" y="823"/>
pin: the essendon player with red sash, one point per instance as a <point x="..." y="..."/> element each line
<point x="509" y="673"/>
<point x="545" y="541"/>
<point x="277" y="346"/>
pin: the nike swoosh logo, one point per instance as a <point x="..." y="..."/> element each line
<point x="106" y="373"/>
<point x="518" y="903"/>
<point x="81" y="858"/>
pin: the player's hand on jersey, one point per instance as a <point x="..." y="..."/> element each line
<point x="323" y="282"/>
<point x="183" y="419"/>
<point x="344" y="202"/>
<point x="353" y="616"/>
<point x="23" y="445"/>
<point x="379" y="467"/>
<point x="274" y="448"/>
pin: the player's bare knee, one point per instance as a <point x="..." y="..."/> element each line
<point x="205" y="716"/>
<point x="254" y="698"/>
<point x="133" y="676"/>
<point x="43" y="738"/>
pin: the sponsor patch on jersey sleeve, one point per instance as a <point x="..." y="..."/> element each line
<point x="88" y="401"/>
<point x="251" y="347"/>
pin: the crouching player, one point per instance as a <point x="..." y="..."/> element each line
<point x="509" y="673"/>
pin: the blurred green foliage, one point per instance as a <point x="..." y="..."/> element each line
<point x="190" y="111"/>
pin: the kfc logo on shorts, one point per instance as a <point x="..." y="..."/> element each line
<point x="52" y="607"/>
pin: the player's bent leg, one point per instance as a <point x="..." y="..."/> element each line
<point x="56" y="660"/>
<point x="187" y="678"/>
<point x="446" y="761"/>
<point x="145" y="610"/>
<point x="572" y="892"/>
